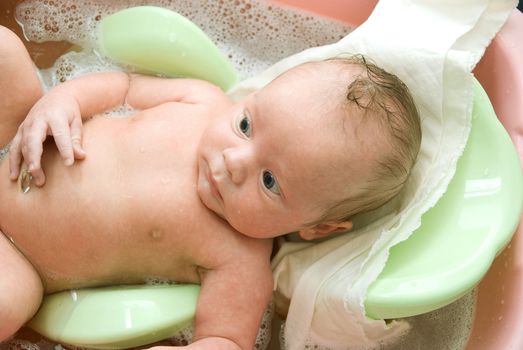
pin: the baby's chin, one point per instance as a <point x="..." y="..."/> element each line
<point x="218" y="213"/>
<point x="212" y="206"/>
<point x="253" y="230"/>
<point x="240" y="225"/>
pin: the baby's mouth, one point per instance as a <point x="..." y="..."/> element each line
<point x="214" y="185"/>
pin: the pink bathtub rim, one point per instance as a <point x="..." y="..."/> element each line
<point x="499" y="312"/>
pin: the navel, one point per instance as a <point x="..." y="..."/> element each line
<point x="156" y="234"/>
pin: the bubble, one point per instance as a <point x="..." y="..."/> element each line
<point x="447" y="328"/>
<point x="74" y="64"/>
<point x="252" y="34"/>
<point x="21" y="345"/>
<point x="158" y="281"/>
<point x="119" y="112"/>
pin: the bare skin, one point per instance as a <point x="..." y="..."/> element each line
<point x="179" y="190"/>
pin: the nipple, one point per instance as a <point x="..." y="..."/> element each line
<point x="25" y="179"/>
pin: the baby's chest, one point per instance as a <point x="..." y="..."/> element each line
<point x="149" y="160"/>
<point x="170" y="129"/>
<point x="201" y="240"/>
<point x="177" y="122"/>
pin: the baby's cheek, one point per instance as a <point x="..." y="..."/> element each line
<point x="249" y="214"/>
<point x="242" y="218"/>
<point x="246" y="221"/>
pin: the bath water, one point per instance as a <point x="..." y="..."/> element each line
<point x="253" y="36"/>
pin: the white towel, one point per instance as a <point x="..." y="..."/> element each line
<point x="432" y="45"/>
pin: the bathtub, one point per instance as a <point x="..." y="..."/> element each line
<point x="498" y="322"/>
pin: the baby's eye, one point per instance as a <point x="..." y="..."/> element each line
<point x="245" y="125"/>
<point x="270" y="183"/>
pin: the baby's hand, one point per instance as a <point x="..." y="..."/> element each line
<point x="54" y="114"/>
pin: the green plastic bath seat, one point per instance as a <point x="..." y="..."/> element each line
<point x="159" y="41"/>
<point x="462" y="234"/>
<point x="446" y="257"/>
<point x="116" y="317"/>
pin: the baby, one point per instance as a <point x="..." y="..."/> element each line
<point x="192" y="187"/>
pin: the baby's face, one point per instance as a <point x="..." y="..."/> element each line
<point x="278" y="159"/>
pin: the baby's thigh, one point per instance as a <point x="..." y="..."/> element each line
<point x="19" y="84"/>
<point x="21" y="289"/>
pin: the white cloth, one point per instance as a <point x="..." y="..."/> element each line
<point x="432" y="46"/>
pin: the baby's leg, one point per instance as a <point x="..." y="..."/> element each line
<point x="21" y="289"/>
<point x="19" y="84"/>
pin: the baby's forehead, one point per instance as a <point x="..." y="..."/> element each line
<point x="326" y="179"/>
<point x="327" y="161"/>
<point x="322" y="85"/>
<point x="313" y="98"/>
<point x="341" y="71"/>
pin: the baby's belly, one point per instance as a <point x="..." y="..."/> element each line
<point x="97" y="222"/>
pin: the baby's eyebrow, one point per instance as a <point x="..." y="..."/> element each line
<point x="253" y="108"/>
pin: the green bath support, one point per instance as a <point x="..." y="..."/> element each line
<point x="159" y="41"/>
<point x="462" y="234"/>
<point x="446" y="257"/>
<point x="116" y="317"/>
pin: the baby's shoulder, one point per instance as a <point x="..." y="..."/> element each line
<point x="231" y="247"/>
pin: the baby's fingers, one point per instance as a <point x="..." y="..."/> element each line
<point x="15" y="157"/>
<point x="76" y="138"/>
<point x="38" y="174"/>
<point x="62" y="138"/>
<point x="32" y="153"/>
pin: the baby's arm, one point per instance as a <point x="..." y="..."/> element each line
<point x="147" y="91"/>
<point x="59" y="113"/>
<point x="232" y="301"/>
<point x="61" y="110"/>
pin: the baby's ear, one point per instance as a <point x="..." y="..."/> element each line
<point x="324" y="229"/>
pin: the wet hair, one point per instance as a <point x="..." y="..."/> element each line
<point x="384" y="97"/>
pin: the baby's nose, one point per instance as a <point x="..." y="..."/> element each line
<point x="237" y="162"/>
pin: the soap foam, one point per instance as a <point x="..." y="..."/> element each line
<point x="447" y="328"/>
<point x="253" y="36"/>
<point x="17" y="344"/>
